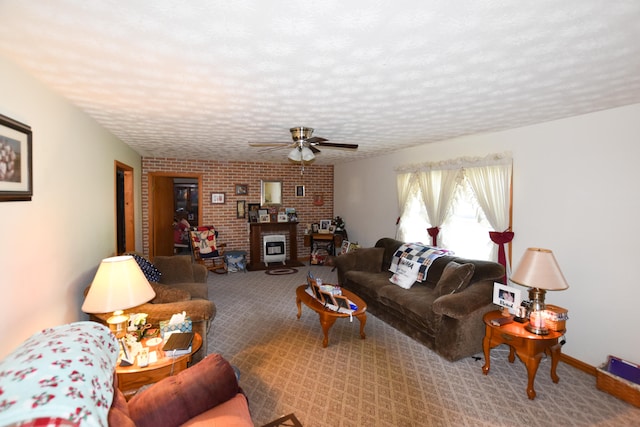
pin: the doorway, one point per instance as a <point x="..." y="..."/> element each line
<point x="125" y="216"/>
<point x="164" y="190"/>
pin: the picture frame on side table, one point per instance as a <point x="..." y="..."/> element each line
<point x="217" y="198"/>
<point x="324" y="226"/>
<point x="16" y="164"/>
<point x="507" y="297"/>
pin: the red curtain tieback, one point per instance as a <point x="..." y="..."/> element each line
<point x="501" y="238"/>
<point x="433" y="232"/>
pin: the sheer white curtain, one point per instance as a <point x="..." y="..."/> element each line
<point x="404" y="182"/>
<point x="491" y="184"/>
<point x="437" y="188"/>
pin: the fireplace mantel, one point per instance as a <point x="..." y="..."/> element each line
<point x="255" y="241"/>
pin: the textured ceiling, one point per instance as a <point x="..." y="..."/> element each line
<point x="199" y="79"/>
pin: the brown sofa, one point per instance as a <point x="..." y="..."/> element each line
<point x="450" y="323"/>
<point x="73" y="366"/>
<point x="182" y="287"/>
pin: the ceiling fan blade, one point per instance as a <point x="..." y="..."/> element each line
<point x="337" y="145"/>
<point x="314" y="149"/>
<point x="268" y="144"/>
<point x="267" y="149"/>
<point x="316" y="139"/>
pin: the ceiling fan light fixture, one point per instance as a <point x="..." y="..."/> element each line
<point x="301" y="133"/>
<point x="307" y="154"/>
<point x="295" y="155"/>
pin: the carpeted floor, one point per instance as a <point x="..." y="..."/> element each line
<point x="387" y="379"/>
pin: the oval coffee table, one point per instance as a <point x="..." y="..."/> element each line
<point x="328" y="317"/>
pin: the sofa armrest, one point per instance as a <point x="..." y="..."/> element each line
<point x="197" y="310"/>
<point x="200" y="273"/>
<point x="175" y="400"/>
<point x="461" y="304"/>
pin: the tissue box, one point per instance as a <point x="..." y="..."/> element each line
<point x="179" y="327"/>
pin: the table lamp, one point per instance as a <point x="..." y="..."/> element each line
<point x="118" y="284"/>
<point x="539" y="271"/>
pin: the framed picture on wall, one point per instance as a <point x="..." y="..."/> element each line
<point x="241" y="211"/>
<point x="16" y="174"/>
<point x="299" y="190"/>
<point x="242" y="189"/>
<point x="217" y="198"/>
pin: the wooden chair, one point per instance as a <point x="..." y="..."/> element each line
<point x="206" y="250"/>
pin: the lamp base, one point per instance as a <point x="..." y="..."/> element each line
<point x="536" y="321"/>
<point x="118" y="324"/>
<point x="536" y="330"/>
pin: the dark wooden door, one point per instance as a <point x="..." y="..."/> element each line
<point x="162" y="216"/>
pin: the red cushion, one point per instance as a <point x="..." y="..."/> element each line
<point x="234" y="412"/>
<point x="177" y="399"/>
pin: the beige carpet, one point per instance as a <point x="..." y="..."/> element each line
<point x="387" y="379"/>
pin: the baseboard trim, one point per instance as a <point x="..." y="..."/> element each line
<point x="578" y="364"/>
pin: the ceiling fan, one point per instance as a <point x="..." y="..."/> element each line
<point x="303" y="147"/>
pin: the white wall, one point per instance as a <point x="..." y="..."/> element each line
<point x="51" y="246"/>
<point x="575" y="192"/>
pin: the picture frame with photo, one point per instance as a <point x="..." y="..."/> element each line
<point x="282" y="217"/>
<point x="344" y="248"/>
<point x="16" y="165"/>
<point x="327" y="298"/>
<point x="299" y="190"/>
<point x="507" y="297"/>
<point x="324" y="226"/>
<point x="241" y="189"/>
<point x="343" y="303"/>
<point x="315" y="227"/>
<point x="265" y="218"/>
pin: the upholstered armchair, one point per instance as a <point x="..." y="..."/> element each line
<point x="182" y="287"/>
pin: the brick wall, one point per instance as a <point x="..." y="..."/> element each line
<point x="221" y="177"/>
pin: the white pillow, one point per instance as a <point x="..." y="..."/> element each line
<point x="405" y="275"/>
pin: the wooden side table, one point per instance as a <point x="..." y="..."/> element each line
<point x="131" y="378"/>
<point x="529" y="347"/>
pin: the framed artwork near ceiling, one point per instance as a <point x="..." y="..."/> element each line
<point x="16" y="170"/>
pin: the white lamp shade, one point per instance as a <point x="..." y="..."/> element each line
<point x="119" y="284"/>
<point x="538" y="268"/>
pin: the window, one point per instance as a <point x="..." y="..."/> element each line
<point x="466" y="230"/>
<point x="465" y="197"/>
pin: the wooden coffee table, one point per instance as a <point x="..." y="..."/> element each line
<point x="328" y="317"/>
<point x="131" y="378"/>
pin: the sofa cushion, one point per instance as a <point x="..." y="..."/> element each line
<point x="175" y="269"/>
<point x="166" y="294"/>
<point x="413" y="304"/>
<point x="176" y="399"/>
<point x="455" y="277"/>
<point x="369" y="259"/>
<point x="234" y="412"/>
